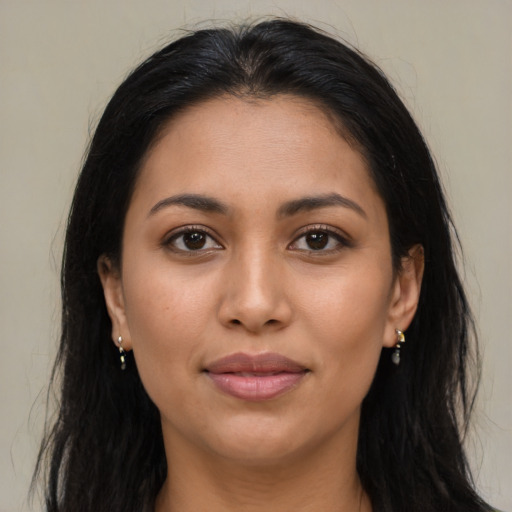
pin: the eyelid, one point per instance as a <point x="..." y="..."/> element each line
<point x="342" y="237"/>
<point x="190" y="228"/>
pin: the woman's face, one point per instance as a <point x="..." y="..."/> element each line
<point x="256" y="287"/>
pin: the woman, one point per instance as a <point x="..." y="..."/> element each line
<point x="257" y="223"/>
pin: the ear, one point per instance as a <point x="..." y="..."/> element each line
<point x="405" y="294"/>
<point x="110" y="277"/>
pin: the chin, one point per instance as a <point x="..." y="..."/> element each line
<point x="257" y="441"/>
<point x="252" y="453"/>
<point x="265" y="442"/>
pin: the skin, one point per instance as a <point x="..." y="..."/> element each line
<point x="257" y="286"/>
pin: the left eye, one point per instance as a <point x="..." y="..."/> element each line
<point x="318" y="240"/>
<point x="193" y="240"/>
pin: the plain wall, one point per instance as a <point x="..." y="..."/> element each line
<point x="60" y="60"/>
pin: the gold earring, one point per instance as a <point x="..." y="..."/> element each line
<point x="122" y="353"/>
<point x="400" y="338"/>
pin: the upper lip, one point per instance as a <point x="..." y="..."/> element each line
<point x="266" y="363"/>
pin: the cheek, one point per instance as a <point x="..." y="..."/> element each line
<point x="348" y="316"/>
<point x="161" y="302"/>
<point x="167" y="317"/>
<point x="349" y="299"/>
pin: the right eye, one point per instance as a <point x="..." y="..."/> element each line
<point x="192" y="240"/>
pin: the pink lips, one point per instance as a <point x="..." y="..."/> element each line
<point x="255" y="378"/>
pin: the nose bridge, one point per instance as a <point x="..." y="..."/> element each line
<point x="255" y="294"/>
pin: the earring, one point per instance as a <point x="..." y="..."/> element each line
<point x="400" y="338"/>
<point x="122" y="353"/>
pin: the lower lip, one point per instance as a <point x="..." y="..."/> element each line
<point x="258" y="387"/>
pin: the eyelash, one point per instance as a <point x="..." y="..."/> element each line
<point x="170" y="241"/>
<point x="341" y="240"/>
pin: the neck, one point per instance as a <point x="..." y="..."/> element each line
<point x="325" y="479"/>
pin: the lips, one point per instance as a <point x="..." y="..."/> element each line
<point x="255" y="378"/>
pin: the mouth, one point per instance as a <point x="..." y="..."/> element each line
<point x="255" y="378"/>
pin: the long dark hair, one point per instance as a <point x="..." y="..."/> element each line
<point x="105" y="449"/>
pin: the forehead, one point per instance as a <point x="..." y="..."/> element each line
<point x="231" y="145"/>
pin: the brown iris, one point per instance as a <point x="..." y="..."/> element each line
<point x="194" y="240"/>
<point x="317" y="240"/>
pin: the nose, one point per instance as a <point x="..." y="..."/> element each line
<point x="255" y="293"/>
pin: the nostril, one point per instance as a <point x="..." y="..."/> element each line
<point x="272" y="321"/>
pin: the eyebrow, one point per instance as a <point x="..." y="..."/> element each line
<point x="304" y="204"/>
<point x="309" y="203"/>
<point x="195" y="201"/>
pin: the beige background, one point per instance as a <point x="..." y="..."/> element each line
<point x="60" y="60"/>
